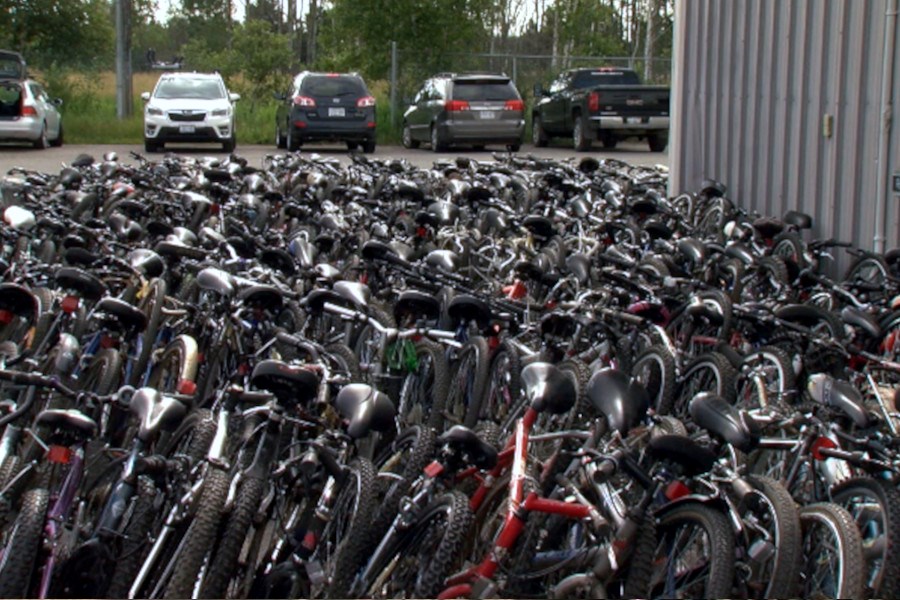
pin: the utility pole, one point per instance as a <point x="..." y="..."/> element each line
<point x="123" y="59"/>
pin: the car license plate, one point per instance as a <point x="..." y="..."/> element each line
<point x="633" y="120"/>
<point x="186" y="129"/>
<point x="336" y="112"/>
<point x="488" y="114"/>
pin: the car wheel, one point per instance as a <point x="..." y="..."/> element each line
<point x="408" y="141"/>
<point x="59" y="137"/>
<point x="352" y="146"/>
<point x="609" y="141"/>
<point x="478" y="147"/>
<point x="657" y="143"/>
<point x="42" y="141"/>
<point x="280" y="142"/>
<point x="150" y="146"/>
<point x="514" y="147"/>
<point x="437" y="144"/>
<point x="368" y="146"/>
<point x="229" y="145"/>
<point x="293" y="142"/>
<point x="580" y="136"/>
<point x="538" y="136"/>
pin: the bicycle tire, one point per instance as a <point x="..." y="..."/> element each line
<point x="654" y="369"/>
<point x="504" y="384"/>
<point x="423" y="394"/>
<point x="875" y="506"/>
<point x="199" y="537"/>
<point x="344" y="543"/>
<point x="468" y="383"/>
<point x="135" y="541"/>
<point x="177" y="363"/>
<point x="151" y="303"/>
<point x="828" y="527"/>
<point x="445" y="524"/>
<point x="346" y="360"/>
<point x="23" y="544"/>
<point x="224" y="564"/>
<point x="715" y="555"/>
<point x="777" y="371"/>
<point x="771" y="507"/>
<point x="710" y="372"/>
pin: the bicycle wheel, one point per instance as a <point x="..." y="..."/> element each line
<point x="197" y="544"/>
<point x="427" y="554"/>
<point x="773" y="541"/>
<point x="151" y="304"/>
<point x="712" y="373"/>
<point x="423" y="394"/>
<point x="654" y="369"/>
<point x="766" y="380"/>
<point x="875" y="506"/>
<point x="833" y="565"/>
<point x="21" y="544"/>
<point x="504" y="384"/>
<point x="224" y="567"/>
<point x="177" y="364"/>
<point x="694" y="555"/>
<point x="468" y="383"/>
<point x="344" y="543"/>
<point x="135" y="542"/>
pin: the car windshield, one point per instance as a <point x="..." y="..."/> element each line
<point x="484" y="91"/>
<point x="11" y="67"/>
<point x="587" y="79"/>
<point x="200" y="89"/>
<point x="329" y="85"/>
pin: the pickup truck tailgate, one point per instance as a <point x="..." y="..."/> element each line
<point x="637" y="101"/>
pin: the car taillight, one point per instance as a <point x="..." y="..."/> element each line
<point x="514" y="105"/>
<point x="364" y="102"/>
<point x="456" y="105"/>
<point x="594" y="101"/>
<point x="29" y="111"/>
<point x="304" y="101"/>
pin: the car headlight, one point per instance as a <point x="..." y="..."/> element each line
<point x="221" y="112"/>
<point x="152" y="110"/>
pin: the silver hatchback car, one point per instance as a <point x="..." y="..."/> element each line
<point x="27" y="113"/>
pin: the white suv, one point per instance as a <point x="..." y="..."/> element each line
<point x="189" y="107"/>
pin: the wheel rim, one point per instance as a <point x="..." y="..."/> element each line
<point x="577" y="134"/>
<point x="823" y="567"/>
<point x="407" y="136"/>
<point x="536" y="132"/>
<point x="866" y="510"/>
<point x="434" y="137"/>
<point x="688" y="549"/>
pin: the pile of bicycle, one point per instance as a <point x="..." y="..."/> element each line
<point x="507" y="378"/>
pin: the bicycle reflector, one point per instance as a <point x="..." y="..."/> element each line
<point x="676" y="490"/>
<point x="6" y="317"/>
<point x="187" y="387"/>
<point x="820" y="444"/>
<point x="69" y="304"/>
<point x="59" y="454"/>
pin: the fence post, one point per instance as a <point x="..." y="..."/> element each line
<point x="393" y="84"/>
<point x="515" y="70"/>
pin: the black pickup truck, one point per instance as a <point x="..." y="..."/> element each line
<point x="607" y="104"/>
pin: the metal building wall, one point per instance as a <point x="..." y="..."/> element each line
<point x="754" y="82"/>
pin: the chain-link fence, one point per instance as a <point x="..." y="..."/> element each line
<point x="409" y="71"/>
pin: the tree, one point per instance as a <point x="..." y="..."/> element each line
<point x="73" y="33"/>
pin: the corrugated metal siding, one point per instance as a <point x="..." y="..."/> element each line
<point x="752" y="83"/>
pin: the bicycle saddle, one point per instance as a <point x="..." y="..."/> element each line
<point x="692" y="250"/>
<point x="539" y="226"/>
<point x="698" y="308"/>
<point x="18" y="300"/>
<point x="740" y="252"/>
<point x="365" y="408"/>
<point x="857" y="318"/>
<point x="417" y="303"/>
<point x="839" y="395"/>
<point x="217" y="281"/>
<point x="356" y="293"/>
<point x="444" y="260"/>
<point x="155" y="412"/>
<point x="294" y="384"/>
<point x="548" y="389"/>
<point x="694" y="458"/>
<point x="147" y="262"/>
<point x="579" y="266"/>
<point x="81" y="281"/>
<point x="768" y="227"/>
<point x="71" y="421"/>
<point x="622" y="402"/>
<point x="446" y="213"/>
<point x="798" y="219"/>
<point x="724" y="421"/>
<point x="376" y="249"/>
<point x="466" y="444"/>
<point x="79" y="257"/>
<point x="116" y="312"/>
<point x="263" y="297"/>
<point x="469" y="308"/>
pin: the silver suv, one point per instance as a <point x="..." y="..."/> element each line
<point x="189" y="107"/>
<point x="466" y="108"/>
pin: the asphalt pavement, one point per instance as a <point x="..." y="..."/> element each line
<point x="52" y="160"/>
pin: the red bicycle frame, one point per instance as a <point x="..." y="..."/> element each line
<point x="516" y="453"/>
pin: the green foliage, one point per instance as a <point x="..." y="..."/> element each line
<point x="71" y="32"/>
<point x="259" y="55"/>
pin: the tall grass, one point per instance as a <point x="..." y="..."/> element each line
<point x="89" y="110"/>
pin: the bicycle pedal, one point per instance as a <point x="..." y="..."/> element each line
<point x="484" y="588"/>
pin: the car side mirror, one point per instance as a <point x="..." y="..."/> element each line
<point x="145" y="96"/>
<point x="234" y="97"/>
<point x="57" y="102"/>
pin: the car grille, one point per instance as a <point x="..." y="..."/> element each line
<point x="191" y="117"/>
